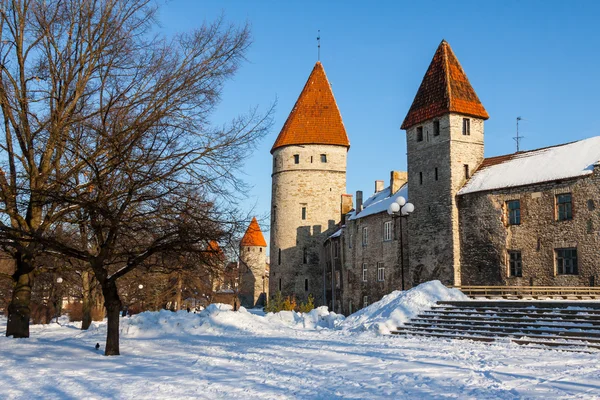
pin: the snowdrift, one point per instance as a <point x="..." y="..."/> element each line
<point x="393" y="310"/>
<point x="218" y="319"/>
<point x="398" y="307"/>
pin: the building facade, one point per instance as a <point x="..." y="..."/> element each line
<point x="527" y="218"/>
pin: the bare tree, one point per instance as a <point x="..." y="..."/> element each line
<point x="108" y="128"/>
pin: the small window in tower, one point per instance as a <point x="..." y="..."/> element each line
<point x="466" y="171"/>
<point x="303" y="212"/>
<point x="436" y="173"/>
<point x="311" y="159"/>
<point x="304" y="256"/>
<point x="420" y="178"/>
<point x="466" y="126"/>
<point x="280" y="284"/>
<point x="419" y="134"/>
<point x="279" y="257"/>
<point x="306" y="285"/>
<point x="323" y="158"/>
<point x="436" y="128"/>
<point x="260" y="249"/>
<point x="296" y="158"/>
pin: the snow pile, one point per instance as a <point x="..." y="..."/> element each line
<point x="218" y="319"/>
<point x="398" y="307"/>
<point x="318" y="318"/>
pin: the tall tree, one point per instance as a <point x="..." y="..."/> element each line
<point x="107" y="127"/>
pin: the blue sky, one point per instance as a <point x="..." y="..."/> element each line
<point x="534" y="59"/>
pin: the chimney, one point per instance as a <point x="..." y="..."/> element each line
<point x="378" y="186"/>
<point x="346" y="206"/>
<point x="358" y="201"/>
<point x="397" y="180"/>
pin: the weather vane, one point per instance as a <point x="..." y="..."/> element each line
<point x="319" y="45"/>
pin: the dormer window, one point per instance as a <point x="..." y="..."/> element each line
<point x="323" y="158"/>
<point x="436" y="127"/>
<point x="296" y="158"/>
<point x="419" y="134"/>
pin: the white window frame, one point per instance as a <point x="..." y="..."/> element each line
<point x="365" y="301"/>
<point x="364" y="272"/>
<point x="365" y="236"/>
<point x="388" y="229"/>
<point x="380" y="272"/>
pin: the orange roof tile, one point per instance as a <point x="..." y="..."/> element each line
<point x="253" y="235"/>
<point x="445" y="89"/>
<point x="315" y="118"/>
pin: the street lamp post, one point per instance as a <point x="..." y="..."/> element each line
<point x="400" y="209"/>
<point x="58" y="302"/>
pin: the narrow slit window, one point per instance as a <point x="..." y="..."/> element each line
<point x="306" y="285"/>
<point x="419" y="134"/>
<point x="303" y="213"/>
<point x="436" y="128"/>
<point x="279" y="257"/>
<point x="420" y="178"/>
<point x="436" y="173"/>
<point x="296" y="158"/>
<point x="466" y="166"/>
<point x="466" y="126"/>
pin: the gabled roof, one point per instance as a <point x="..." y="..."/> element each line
<point x="315" y="118"/>
<point x="253" y="235"/>
<point x="565" y="161"/>
<point x="445" y="89"/>
<point x="379" y="202"/>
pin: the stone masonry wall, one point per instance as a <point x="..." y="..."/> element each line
<point x="318" y="186"/>
<point x="433" y="241"/>
<point x="486" y="236"/>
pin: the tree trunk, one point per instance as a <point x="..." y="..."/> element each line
<point x="179" y="286"/>
<point x="18" y="309"/>
<point x="86" y="320"/>
<point x="113" y="308"/>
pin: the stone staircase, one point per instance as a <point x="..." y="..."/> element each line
<point x="571" y="325"/>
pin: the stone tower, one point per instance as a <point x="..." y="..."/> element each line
<point x="444" y="137"/>
<point x="309" y="177"/>
<point x="254" y="282"/>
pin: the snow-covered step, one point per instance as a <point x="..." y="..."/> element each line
<point x="557" y="325"/>
<point x="524" y="304"/>
<point x="549" y="315"/>
<point x="579" y="311"/>
<point x="505" y="318"/>
<point x="583" y="336"/>
<point x="563" y="344"/>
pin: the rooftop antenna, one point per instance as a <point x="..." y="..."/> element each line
<point x="518" y="138"/>
<point x="319" y="45"/>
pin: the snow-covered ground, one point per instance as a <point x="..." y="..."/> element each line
<point x="224" y="354"/>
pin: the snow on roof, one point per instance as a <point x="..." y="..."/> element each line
<point x="335" y="234"/>
<point x="542" y="165"/>
<point x="379" y="202"/>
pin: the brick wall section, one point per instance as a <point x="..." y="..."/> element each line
<point x="434" y="241"/>
<point x="254" y="287"/>
<point x="486" y="237"/>
<point x="318" y="186"/>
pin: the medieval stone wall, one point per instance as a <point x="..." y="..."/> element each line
<point x="486" y="236"/>
<point x="316" y="186"/>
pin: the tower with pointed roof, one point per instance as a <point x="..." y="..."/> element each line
<point x="254" y="280"/>
<point x="444" y="136"/>
<point x="308" y="179"/>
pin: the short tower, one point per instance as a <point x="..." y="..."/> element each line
<point x="444" y="136"/>
<point x="254" y="285"/>
<point x="309" y="177"/>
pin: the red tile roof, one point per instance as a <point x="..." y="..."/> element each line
<point x="445" y="89"/>
<point x="315" y="118"/>
<point x="253" y="235"/>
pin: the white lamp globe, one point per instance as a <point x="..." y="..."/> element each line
<point x="400" y="201"/>
<point x="408" y="208"/>
<point x="393" y="208"/>
<point x="141" y="286"/>
<point x="59" y="280"/>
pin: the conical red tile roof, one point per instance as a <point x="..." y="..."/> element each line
<point x="253" y="235"/>
<point x="315" y="118"/>
<point x="445" y="89"/>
